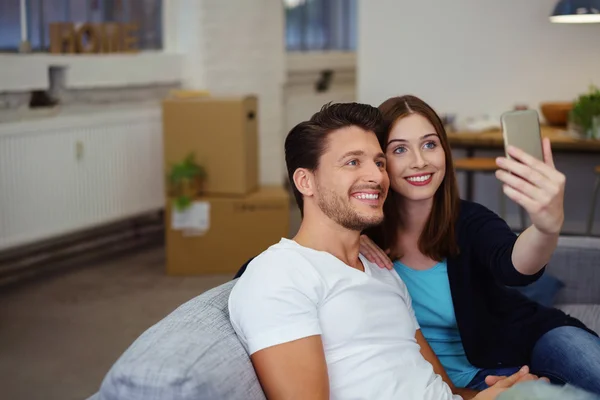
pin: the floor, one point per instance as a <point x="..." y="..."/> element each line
<point x="60" y="335"/>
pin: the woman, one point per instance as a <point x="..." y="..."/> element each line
<point x="457" y="257"/>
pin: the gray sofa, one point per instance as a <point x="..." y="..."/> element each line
<point x="194" y="353"/>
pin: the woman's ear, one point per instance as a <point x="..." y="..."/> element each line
<point x="304" y="181"/>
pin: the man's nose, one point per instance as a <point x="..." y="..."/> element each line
<point x="376" y="174"/>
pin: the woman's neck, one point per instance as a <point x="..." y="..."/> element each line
<point x="414" y="215"/>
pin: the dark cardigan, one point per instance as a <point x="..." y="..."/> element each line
<point x="498" y="325"/>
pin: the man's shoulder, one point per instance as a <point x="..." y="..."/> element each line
<point x="276" y="299"/>
<point x="281" y="256"/>
<point x="281" y="265"/>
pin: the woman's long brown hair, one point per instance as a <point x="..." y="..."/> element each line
<point x="438" y="239"/>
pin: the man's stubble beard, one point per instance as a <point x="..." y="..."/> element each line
<point x="340" y="211"/>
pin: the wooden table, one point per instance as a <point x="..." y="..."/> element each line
<point x="561" y="142"/>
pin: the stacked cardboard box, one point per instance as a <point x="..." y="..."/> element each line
<point x="234" y="219"/>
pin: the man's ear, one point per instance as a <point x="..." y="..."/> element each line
<point x="304" y="181"/>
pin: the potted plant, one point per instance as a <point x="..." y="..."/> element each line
<point x="585" y="115"/>
<point x="185" y="181"/>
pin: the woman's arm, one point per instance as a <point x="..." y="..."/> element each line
<point x="533" y="249"/>
<point x="491" y="243"/>
<point x="539" y="188"/>
<point x="438" y="368"/>
<point x="373" y="253"/>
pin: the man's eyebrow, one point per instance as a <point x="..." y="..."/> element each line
<point x="355" y="153"/>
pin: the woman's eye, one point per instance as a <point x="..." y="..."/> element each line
<point x="400" y="150"/>
<point x="430" y="145"/>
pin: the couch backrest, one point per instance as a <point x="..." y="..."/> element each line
<point x="191" y="354"/>
<point x="576" y="262"/>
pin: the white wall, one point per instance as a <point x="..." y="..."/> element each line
<point x="24" y="72"/>
<point x="474" y="57"/>
<point x="302" y="99"/>
<point x="183" y="35"/>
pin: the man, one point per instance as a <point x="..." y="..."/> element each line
<point x="317" y="318"/>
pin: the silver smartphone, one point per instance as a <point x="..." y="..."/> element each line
<point x="521" y="128"/>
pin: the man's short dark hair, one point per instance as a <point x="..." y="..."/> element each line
<point x="305" y="143"/>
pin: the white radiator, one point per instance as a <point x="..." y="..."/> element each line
<point x="63" y="174"/>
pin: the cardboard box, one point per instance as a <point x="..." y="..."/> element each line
<point x="223" y="135"/>
<point x="235" y="230"/>
<point x="186" y="94"/>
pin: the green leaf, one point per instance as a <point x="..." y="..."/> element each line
<point x="586" y="108"/>
<point x="186" y="170"/>
<point x="182" y="203"/>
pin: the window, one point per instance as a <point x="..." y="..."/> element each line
<point x="147" y="14"/>
<point x="9" y="25"/>
<point x="320" y="24"/>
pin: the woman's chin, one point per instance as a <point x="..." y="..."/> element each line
<point x="416" y="198"/>
<point x="415" y="193"/>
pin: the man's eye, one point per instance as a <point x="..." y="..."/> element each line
<point x="380" y="164"/>
<point x="352" y="162"/>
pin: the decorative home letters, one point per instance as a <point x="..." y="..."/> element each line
<point x="69" y="38"/>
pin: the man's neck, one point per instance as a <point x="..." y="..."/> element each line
<point x="323" y="234"/>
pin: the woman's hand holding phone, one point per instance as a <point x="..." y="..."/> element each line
<point x="535" y="185"/>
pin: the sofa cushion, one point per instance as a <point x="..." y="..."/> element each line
<point x="540" y="390"/>
<point x="193" y="353"/>
<point x="589" y="314"/>
<point x="576" y="262"/>
<point x="544" y="290"/>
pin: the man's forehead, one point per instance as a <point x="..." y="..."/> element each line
<point x="347" y="140"/>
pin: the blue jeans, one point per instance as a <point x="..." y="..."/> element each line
<point x="564" y="355"/>
<point x="568" y="355"/>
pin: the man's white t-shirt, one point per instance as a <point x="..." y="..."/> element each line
<point x="365" y="320"/>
